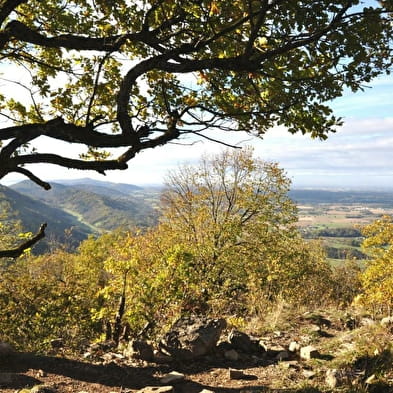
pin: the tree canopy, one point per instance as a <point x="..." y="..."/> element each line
<point x="138" y="74"/>
<point x="377" y="278"/>
<point x="120" y="77"/>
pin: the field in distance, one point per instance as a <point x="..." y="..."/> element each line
<point x="336" y="217"/>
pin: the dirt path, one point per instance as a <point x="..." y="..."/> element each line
<point x="112" y="373"/>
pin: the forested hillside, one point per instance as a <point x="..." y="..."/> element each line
<point x="91" y="207"/>
<point x="226" y="249"/>
<point x="33" y="212"/>
<point x="99" y="205"/>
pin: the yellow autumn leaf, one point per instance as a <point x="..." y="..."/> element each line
<point x="214" y="10"/>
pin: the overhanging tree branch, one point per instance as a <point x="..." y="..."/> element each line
<point x="17" y="252"/>
<point x="236" y="66"/>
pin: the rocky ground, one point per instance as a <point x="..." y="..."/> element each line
<point x="347" y="356"/>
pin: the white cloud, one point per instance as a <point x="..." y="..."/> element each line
<point x="359" y="154"/>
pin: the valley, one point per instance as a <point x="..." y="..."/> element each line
<point x="336" y="218"/>
<point x="94" y="207"/>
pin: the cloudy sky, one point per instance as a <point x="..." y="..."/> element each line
<point x="358" y="156"/>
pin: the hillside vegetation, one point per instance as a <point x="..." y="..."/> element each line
<point x="102" y="205"/>
<point x="80" y="208"/>
<point x="227" y="245"/>
<point x="91" y="207"/>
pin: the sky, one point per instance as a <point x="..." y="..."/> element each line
<point x="358" y="156"/>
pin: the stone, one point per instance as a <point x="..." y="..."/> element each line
<point x="309" y="374"/>
<point x="231" y="355"/>
<point x="156" y="389"/>
<point x="291" y="364"/>
<point x="263" y="346"/>
<point x="40" y="374"/>
<point x="138" y="349"/>
<point x="367" y="322"/>
<point x="294" y="346"/>
<point x="309" y="352"/>
<point x="387" y="321"/>
<point x="332" y="378"/>
<point x="236" y="374"/>
<point x="243" y="342"/>
<point x="192" y="337"/>
<point x="172" y="377"/>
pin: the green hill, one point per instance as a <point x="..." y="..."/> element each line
<point x="100" y="205"/>
<point x="32" y="213"/>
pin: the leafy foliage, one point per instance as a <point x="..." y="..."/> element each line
<point x="226" y="244"/>
<point x="377" y="279"/>
<point x="47" y="297"/>
<point x="156" y="70"/>
<point x="9" y="227"/>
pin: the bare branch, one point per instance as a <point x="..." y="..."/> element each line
<point x="32" y="177"/>
<point x="98" y="74"/>
<point x="216" y="140"/>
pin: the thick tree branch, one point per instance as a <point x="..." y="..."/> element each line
<point x="98" y="166"/>
<point x="18" y="30"/>
<point x="32" y="177"/>
<point x="59" y="129"/>
<point x="17" y="252"/>
<point x="7" y="7"/>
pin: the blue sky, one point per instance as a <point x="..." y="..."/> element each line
<point x="358" y="156"/>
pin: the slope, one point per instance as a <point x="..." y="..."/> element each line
<point x="97" y="204"/>
<point x="32" y="213"/>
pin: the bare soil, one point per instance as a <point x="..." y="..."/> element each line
<point x="266" y="374"/>
<point x="66" y="375"/>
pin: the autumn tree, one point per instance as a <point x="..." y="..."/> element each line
<point x="232" y="213"/>
<point x="13" y="241"/>
<point x="134" y="75"/>
<point x="377" y="278"/>
<point x="226" y="244"/>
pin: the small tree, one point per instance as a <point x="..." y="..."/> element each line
<point x="377" y="278"/>
<point x="226" y="243"/>
<point x="233" y="213"/>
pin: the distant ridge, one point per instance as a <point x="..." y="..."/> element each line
<point x="32" y="213"/>
<point x="101" y="205"/>
<point x="92" y="207"/>
<point x="120" y="187"/>
<point x="383" y="198"/>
